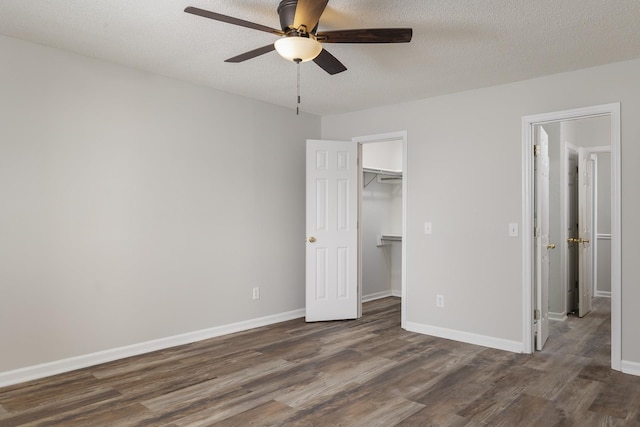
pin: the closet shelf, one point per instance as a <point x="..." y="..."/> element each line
<point x="383" y="176"/>
<point x="385" y="172"/>
<point x="397" y="174"/>
<point x="386" y="239"/>
<point x="392" y="237"/>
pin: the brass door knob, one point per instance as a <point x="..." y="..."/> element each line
<point x="312" y="239"/>
<point x="551" y="246"/>
<point x="584" y="241"/>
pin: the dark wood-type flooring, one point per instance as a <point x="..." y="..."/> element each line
<point x="365" y="372"/>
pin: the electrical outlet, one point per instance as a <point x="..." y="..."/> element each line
<point x="256" y="293"/>
<point x="440" y="301"/>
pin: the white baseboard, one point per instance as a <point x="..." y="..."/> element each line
<point x="631" y="368"/>
<point x="467" y="337"/>
<point x="377" y="295"/>
<point x="65" y="365"/>
<point x="559" y="317"/>
<point x="605" y="294"/>
<point x="380" y="295"/>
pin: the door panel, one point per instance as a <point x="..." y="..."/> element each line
<point x="572" y="232"/>
<point x="332" y="231"/>
<point x="542" y="236"/>
<point x="586" y="219"/>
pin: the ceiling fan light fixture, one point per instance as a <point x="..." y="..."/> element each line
<point x="294" y="48"/>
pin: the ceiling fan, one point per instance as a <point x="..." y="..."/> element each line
<point x="300" y="40"/>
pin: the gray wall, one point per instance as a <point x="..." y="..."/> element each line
<point x="464" y="176"/>
<point x="136" y="207"/>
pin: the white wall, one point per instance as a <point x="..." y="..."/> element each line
<point x="464" y="176"/>
<point x="383" y="155"/>
<point x="591" y="132"/>
<point x="136" y="207"/>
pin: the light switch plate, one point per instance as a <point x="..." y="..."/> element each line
<point x="513" y="230"/>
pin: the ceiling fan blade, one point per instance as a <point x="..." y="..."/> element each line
<point x="369" y="35"/>
<point x="308" y="13"/>
<point x="232" y="20"/>
<point x="329" y="63"/>
<point x="252" y="53"/>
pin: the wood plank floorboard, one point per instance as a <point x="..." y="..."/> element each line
<point x="365" y="372"/>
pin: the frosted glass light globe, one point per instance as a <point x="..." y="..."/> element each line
<point x="296" y="47"/>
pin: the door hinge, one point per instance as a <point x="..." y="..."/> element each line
<point x="536" y="314"/>
<point x="536" y="150"/>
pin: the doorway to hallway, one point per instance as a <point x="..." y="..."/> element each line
<point x="572" y="243"/>
<point x="532" y="245"/>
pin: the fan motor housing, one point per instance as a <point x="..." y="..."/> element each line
<point x="287" y="13"/>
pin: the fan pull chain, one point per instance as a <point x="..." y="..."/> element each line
<point x="298" y="88"/>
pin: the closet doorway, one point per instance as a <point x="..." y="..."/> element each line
<point x="334" y="285"/>
<point x="382" y="216"/>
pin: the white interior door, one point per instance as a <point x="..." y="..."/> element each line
<point x="332" y="231"/>
<point x="586" y="224"/>
<point x="542" y="237"/>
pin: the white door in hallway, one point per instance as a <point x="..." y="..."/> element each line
<point x="586" y="217"/>
<point x="332" y="231"/>
<point x="542" y="236"/>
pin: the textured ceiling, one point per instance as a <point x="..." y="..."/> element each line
<point x="456" y="45"/>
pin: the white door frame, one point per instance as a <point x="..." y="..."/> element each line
<point x="528" y="123"/>
<point x="384" y="137"/>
